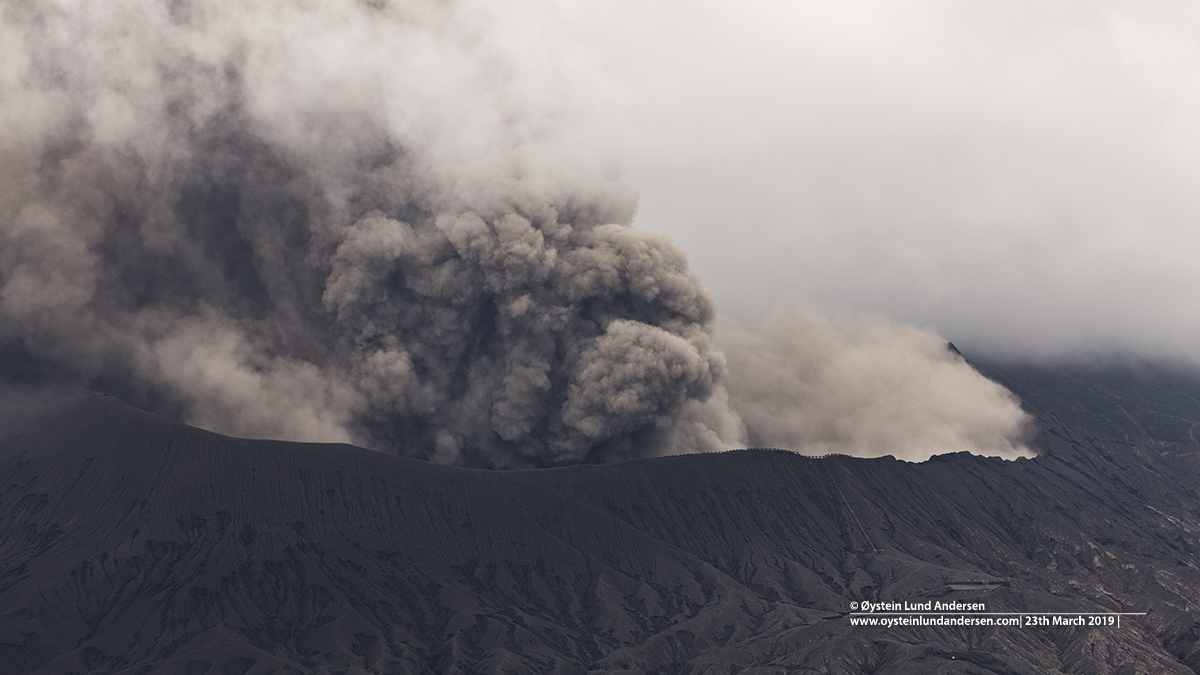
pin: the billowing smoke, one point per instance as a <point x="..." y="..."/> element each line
<point x="864" y="386"/>
<point x="194" y="207"/>
<point x="347" y="222"/>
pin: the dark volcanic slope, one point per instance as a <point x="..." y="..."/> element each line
<point x="132" y="544"/>
<point x="1140" y="403"/>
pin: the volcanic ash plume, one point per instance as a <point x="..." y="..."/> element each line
<point x="194" y="209"/>
<point x="864" y="386"/>
<point x="346" y="221"/>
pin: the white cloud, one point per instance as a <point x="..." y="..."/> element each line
<point x="1020" y="175"/>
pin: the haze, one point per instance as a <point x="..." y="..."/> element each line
<point x="1021" y="177"/>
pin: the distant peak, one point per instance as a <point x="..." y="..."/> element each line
<point x="954" y="350"/>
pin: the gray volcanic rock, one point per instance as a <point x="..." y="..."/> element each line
<point x="133" y="544"/>
<point x="1141" y="403"/>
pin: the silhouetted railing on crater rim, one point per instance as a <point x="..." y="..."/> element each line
<point x="794" y="452"/>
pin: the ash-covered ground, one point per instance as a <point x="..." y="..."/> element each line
<point x="130" y="543"/>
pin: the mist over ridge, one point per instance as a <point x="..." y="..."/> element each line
<point x="379" y="224"/>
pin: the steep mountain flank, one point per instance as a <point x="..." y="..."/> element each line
<point x="133" y="544"/>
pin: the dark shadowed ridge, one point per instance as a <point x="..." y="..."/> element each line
<point x="133" y="544"/>
<point x="1148" y="403"/>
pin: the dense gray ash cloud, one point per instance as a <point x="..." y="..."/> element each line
<point x="339" y="222"/>
<point x="864" y="386"/>
<point x="332" y="282"/>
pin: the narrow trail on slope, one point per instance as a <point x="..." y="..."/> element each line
<point x="838" y="487"/>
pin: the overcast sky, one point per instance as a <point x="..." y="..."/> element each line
<point x="1023" y="177"/>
